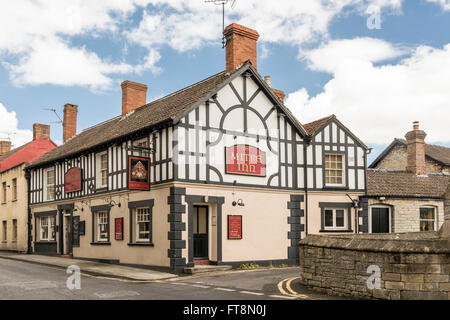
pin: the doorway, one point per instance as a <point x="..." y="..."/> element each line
<point x="380" y="220"/>
<point x="200" y="232"/>
<point x="66" y="232"/>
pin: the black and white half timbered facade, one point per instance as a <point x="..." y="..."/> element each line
<point x="219" y="172"/>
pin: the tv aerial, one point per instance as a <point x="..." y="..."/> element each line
<point x="223" y="3"/>
<point x="56" y="113"/>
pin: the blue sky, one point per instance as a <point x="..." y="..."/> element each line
<point x="321" y="53"/>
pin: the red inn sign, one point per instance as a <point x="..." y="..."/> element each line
<point x="72" y="180"/>
<point x="246" y="160"/>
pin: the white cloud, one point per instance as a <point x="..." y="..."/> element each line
<point x="380" y="102"/>
<point x="9" y="128"/>
<point x="445" y="4"/>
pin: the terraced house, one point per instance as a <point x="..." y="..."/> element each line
<point x="14" y="215"/>
<point x="219" y="172"/>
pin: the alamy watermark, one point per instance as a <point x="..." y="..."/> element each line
<point x="74" y="280"/>
<point x="374" y="19"/>
<point x="374" y="280"/>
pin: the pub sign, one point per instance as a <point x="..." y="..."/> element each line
<point x="234" y="227"/>
<point x="246" y="160"/>
<point x="72" y="180"/>
<point x="138" y="173"/>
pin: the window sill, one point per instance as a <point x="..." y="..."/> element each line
<point x="335" y="231"/>
<point x="14" y="200"/>
<point x="46" y="241"/>
<point x="335" y="187"/>
<point x="100" y="243"/>
<point x="143" y="244"/>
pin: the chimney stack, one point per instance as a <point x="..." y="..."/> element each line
<point x="41" y="131"/>
<point x="70" y="121"/>
<point x="415" y="141"/>
<point x="5" y="147"/>
<point x="241" y="46"/>
<point x="279" y="93"/>
<point x="134" y="96"/>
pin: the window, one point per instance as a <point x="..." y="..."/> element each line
<point x="102" y="226"/>
<point x="102" y="170"/>
<point x="14" y="189"/>
<point x="49" y="183"/>
<point x="427" y="219"/>
<point x="142" y="144"/>
<point x="47" y="228"/>
<point x="5" y="228"/>
<point x="142" y="224"/>
<point x="334" y="170"/>
<point x="334" y="219"/>
<point x="4" y="192"/>
<point x="14" y="234"/>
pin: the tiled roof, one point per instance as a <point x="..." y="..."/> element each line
<point x="405" y="184"/>
<point x="26" y="153"/>
<point x="150" y="114"/>
<point x="312" y="127"/>
<point x="438" y="153"/>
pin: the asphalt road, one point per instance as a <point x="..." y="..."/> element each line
<point x="20" y="280"/>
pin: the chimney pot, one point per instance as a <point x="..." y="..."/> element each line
<point x="241" y="46"/>
<point x="267" y="80"/>
<point x="41" y="131"/>
<point x="415" y="141"/>
<point x="134" y="96"/>
<point x="5" y="147"/>
<point x="70" y="121"/>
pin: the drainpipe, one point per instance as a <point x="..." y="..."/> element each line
<point x="28" y="177"/>
<point x="307" y="142"/>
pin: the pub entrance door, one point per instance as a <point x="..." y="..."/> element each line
<point x="200" y="232"/>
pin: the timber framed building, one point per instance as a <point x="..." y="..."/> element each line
<point x="219" y="172"/>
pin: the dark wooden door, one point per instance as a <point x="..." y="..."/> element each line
<point x="380" y="220"/>
<point x="200" y="232"/>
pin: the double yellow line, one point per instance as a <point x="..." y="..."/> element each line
<point x="289" y="291"/>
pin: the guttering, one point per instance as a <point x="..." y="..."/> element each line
<point x="307" y="142"/>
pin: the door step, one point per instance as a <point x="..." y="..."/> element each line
<point x="205" y="269"/>
<point x="67" y="256"/>
<point x="201" y="262"/>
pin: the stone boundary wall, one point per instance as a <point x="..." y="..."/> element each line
<point x="412" y="266"/>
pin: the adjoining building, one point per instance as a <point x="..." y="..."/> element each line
<point x="219" y="172"/>
<point x="14" y="228"/>
<point x="408" y="186"/>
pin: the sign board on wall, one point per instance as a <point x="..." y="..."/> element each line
<point x="246" y="160"/>
<point x="72" y="180"/>
<point x="138" y="173"/>
<point x="234" y="227"/>
<point x="118" y="228"/>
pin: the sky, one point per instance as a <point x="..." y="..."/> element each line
<point x="378" y="65"/>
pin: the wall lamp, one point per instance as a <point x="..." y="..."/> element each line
<point x="239" y="203"/>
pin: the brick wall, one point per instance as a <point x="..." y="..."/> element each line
<point x="339" y="266"/>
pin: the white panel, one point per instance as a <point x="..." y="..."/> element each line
<point x="282" y="152"/>
<point x="202" y="115"/>
<point x="351" y="156"/>
<point x="309" y="157"/>
<point x="300" y="154"/>
<point x="361" y="183"/>
<point x="251" y="87"/>
<point x="213" y="176"/>
<point x="157" y="173"/>
<point x="234" y="120"/>
<point x="227" y="98"/>
<point x="360" y="155"/>
<point x="319" y="178"/>
<point x="318" y="137"/>
<point x="214" y="116"/>
<point x="334" y="148"/>
<point x="351" y="179"/>
<point x="289" y="153"/>
<point x="202" y="143"/>
<point x="192" y="168"/>
<point x="327" y="148"/>
<point x="283" y="176"/>
<point x="334" y="132"/>
<point x="202" y="168"/>
<point x="181" y="167"/>
<point x="181" y="139"/>
<point x="274" y="182"/>
<point x="170" y="171"/>
<point x="342" y="136"/>
<point x="191" y="117"/>
<point x="300" y="179"/>
<point x="281" y="128"/>
<point x="164" y="172"/>
<point x="170" y="142"/>
<point x="254" y="124"/>
<point x="289" y="177"/>
<point x="163" y="150"/>
<point x="350" y="140"/>
<point x="289" y="131"/>
<point x="318" y="155"/>
<point x="238" y="84"/>
<point x="191" y="141"/>
<point x="326" y="133"/>
<point x="342" y="148"/>
<point x="310" y="173"/>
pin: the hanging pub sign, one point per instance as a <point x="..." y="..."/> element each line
<point x="234" y="227"/>
<point x="138" y="173"/>
<point x="72" y="180"/>
<point x="118" y="224"/>
<point x="246" y="160"/>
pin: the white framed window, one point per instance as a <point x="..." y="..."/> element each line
<point x="334" y="170"/>
<point x="49" y="184"/>
<point x="428" y="221"/>
<point x="102" y="226"/>
<point x="143" y="143"/>
<point x="334" y="219"/>
<point x="102" y="170"/>
<point x="142" y="224"/>
<point x="47" y="228"/>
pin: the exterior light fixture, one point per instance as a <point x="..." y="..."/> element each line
<point x="239" y="203"/>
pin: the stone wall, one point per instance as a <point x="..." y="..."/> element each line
<point x="405" y="213"/>
<point x="411" y="266"/>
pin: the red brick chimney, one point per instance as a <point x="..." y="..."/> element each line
<point x="70" y="121"/>
<point x="279" y="93"/>
<point x="5" y="147"/>
<point x="241" y="46"/>
<point x="41" y="131"/>
<point x="134" y="96"/>
<point x="415" y="141"/>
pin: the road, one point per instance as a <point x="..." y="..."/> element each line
<point x="21" y="280"/>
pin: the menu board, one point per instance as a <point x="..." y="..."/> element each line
<point x="234" y="227"/>
<point x="118" y="224"/>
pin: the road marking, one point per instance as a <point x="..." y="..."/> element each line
<point x="117" y="294"/>
<point x="180" y="283"/>
<point x="225" y="289"/>
<point x="253" y="293"/>
<point x="199" y="286"/>
<point x="290" y="292"/>
<point x="281" y="297"/>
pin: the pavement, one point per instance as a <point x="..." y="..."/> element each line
<point x="92" y="268"/>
